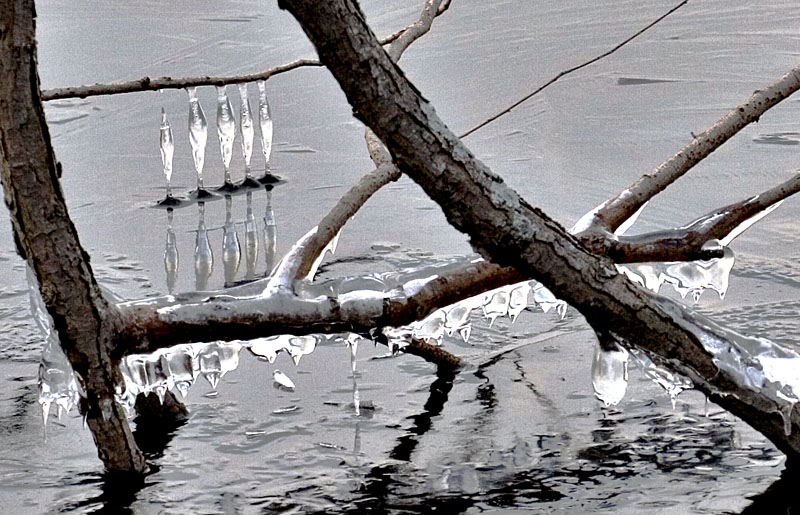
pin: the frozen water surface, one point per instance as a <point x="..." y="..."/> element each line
<point x="520" y="428"/>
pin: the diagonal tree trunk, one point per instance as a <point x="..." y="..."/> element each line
<point x="507" y="230"/>
<point x="46" y="238"/>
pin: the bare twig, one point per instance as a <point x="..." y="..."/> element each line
<point x="154" y="84"/>
<point x="571" y="70"/>
<point x="615" y="211"/>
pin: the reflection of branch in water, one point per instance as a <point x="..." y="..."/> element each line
<point x="171" y="258"/>
<point x="231" y="250"/>
<point x="250" y="239"/>
<point x="203" y="257"/>
<point x="779" y="497"/>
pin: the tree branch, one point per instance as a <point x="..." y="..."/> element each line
<point x="571" y="70"/>
<point x="613" y="212"/>
<point x="504" y="228"/>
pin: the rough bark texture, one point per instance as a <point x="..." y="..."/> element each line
<point x="502" y="226"/>
<point x="48" y="241"/>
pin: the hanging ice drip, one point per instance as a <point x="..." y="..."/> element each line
<point x="198" y="134"/>
<point x="265" y="124"/>
<point x="270" y="233"/>
<point x="248" y="134"/>
<point x="171" y="254"/>
<point x="203" y="257"/>
<point x="167" y="144"/>
<point x="250" y="239"/>
<point x="231" y="251"/>
<point x="226" y="132"/>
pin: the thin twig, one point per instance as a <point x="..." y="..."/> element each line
<point x="615" y="211"/>
<point x="571" y="70"/>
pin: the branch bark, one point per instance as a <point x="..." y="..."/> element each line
<point x="47" y="240"/>
<point x="504" y="228"/>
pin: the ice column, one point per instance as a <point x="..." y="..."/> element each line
<point x="248" y="133"/>
<point x="226" y="131"/>
<point x="167" y="150"/>
<point x="198" y="134"/>
<point x="264" y="122"/>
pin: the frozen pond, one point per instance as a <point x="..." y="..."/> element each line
<point x="520" y="428"/>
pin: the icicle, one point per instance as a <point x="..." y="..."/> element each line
<point x="464" y="332"/>
<point x="264" y="122"/>
<point x="431" y="328"/>
<point x="299" y="346"/>
<point x="181" y="368"/>
<point x="282" y="380"/>
<point x="231" y="250"/>
<point x="247" y="130"/>
<point x="610" y="373"/>
<point x="203" y="256"/>
<point x="198" y="134"/>
<point x="672" y="383"/>
<point x="210" y="364"/>
<point x="250" y="239"/>
<point x="518" y="300"/>
<point x="171" y="258"/>
<point x="226" y="132"/>
<point x="167" y="144"/>
<point x="496" y="304"/>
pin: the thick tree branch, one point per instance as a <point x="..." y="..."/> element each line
<point x="47" y="240"/>
<point x="510" y="232"/>
<point x="616" y="210"/>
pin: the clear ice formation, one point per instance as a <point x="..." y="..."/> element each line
<point x="231" y="250"/>
<point x="282" y="380"/>
<point x="246" y="128"/>
<point x="264" y="121"/>
<point x="167" y="144"/>
<point x="672" y="383"/>
<point x="610" y="372"/>
<point x="250" y="239"/>
<point x="171" y="258"/>
<point x="57" y="382"/>
<point x="198" y="134"/>
<point x="203" y="256"/>
<point x="226" y="130"/>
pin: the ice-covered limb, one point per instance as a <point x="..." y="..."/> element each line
<point x="614" y="211"/>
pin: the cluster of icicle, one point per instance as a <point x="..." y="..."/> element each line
<point x="226" y="133"/>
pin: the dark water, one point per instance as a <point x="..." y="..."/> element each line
<point x="519" y="429"/>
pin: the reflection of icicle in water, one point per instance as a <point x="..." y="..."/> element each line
<point x="250" y="239"/>
<point x="226" y="132"/>
<point x="352" y="342"/>
<point x="691" y="277"/>
<point x="231" y="251"/>
<point x="198" y="134"/>
<point x="610" y="372"/>
<point x="264" y="122"/>
<point x="270" y="233"/>
<point x="203" y="256"/>
<point x="671" y="382"/>
<point x="171" y="258"/>
<point x="167" y="144"/>
<point x="247" y="130"/>
<point x="57" y="382"/>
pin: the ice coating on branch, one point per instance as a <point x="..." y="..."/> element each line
<point x="226" y="129"/>
<point x="167" y="144"/>
<point x="264" y="121"/>
<point x="246" y="128"/>
<point x="231" y="250"/>
<point x="330" y="247"/>
<point x="754" y="363"/>
<point x="57" y="382"/>
<point x="750" y="221"/>
<point x="198" y="133"/>
<point x="610" y="372"/>
<point x="671" y="382"/>
<point x="690" y="277"/>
